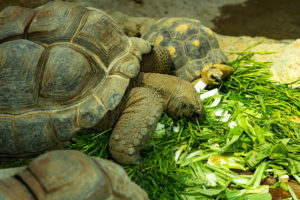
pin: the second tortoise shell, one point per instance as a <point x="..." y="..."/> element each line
<point x="191" y="45"/>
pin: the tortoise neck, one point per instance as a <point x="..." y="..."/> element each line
<point x="166" y="85"/>
<point x="158" y="60"/>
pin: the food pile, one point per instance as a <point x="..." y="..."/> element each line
<point x="248" y="134"/>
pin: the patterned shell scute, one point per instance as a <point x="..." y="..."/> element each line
<point x="91" y="112"/>
<point x="70" y="175"/>
<point x="186" y="39"/>
<point x="102" y="37"/>
<point x="17" y="21"/>
<point x="72" y="170"/>
<point x="40" y="136"/>
<point x="177" y="52"/>
<point x="64" y="73"/>
<point x="7" y="143"/>
<point x="18" y="61"/>
<point x="63" y="122"/>
<point x="55" y="22"/>
<point x="113" y="91"/>
<point x="64" y="69"/>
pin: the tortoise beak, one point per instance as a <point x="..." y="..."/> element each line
<point x="216" y="77"/>
<point x="197" y="115"/>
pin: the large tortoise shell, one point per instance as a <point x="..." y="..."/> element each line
<point x="191" y="44"/>
<point x="62" y="68"/>
<point x="70" y="175"/>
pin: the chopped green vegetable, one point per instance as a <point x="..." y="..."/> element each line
<point x="292" y="193"/>
<point x="226" y="162"/>
<point x="92" y="144"/>
<point x="258" y="193"/>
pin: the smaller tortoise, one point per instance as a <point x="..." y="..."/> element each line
<point x="70" y="175"/>
<point x="65" y="67"/>
<point x="194" y="50"/>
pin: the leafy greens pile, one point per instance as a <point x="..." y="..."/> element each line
<point x="247" y="127"/>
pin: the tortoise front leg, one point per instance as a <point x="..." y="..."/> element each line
<point x="136" y="124"/>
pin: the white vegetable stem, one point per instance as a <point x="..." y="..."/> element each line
<point x="200" y="85"/>
<point x="209" y="94"/>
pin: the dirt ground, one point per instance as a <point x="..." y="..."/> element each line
<point x="277" y="19"/>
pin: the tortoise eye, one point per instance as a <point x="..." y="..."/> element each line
<point x="192" y="107"/>
<point x="196" y="115"/>
<point x="184" y="106"/>
<point x="212" y="77"/>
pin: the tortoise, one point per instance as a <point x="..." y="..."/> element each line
<point x="65" y="67"/>
<point x="69" y="174"/>
<point x="194" y="49"/>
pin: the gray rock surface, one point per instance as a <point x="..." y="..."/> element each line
<point x="285" y="54"/>
<point x="204" y="10"/>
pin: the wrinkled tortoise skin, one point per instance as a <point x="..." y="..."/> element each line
<point x="70" y="175"/>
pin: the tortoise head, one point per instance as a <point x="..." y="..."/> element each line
<point x="212" y="75"/>
<point x="185" y="102"/>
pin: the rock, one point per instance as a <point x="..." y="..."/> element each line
<point x="285" y="56"/>
<point x="132" y="26"/>
<point x="287" y="66"/>
<point x="204" y="10"/>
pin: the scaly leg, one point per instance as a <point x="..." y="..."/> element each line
<point x="136" y="124"/>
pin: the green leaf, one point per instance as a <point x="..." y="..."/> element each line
<point x="294" y="166"/>
<point x="226" y="162"/>
<point x="280" y="148"/>
<point x="279" y="151"/>
<point x="292" y="193"/>
<point x="264" y="196"/>
<point x="259" y="153"/>
<point x="234" y="134"/>
<point x="207" y="192"/>
<point x="234" y="194"/>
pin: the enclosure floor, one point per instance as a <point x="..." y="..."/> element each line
<point x="276" y="19"/>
